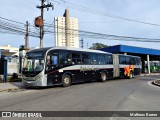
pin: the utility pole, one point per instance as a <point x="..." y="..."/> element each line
<point x="26" y="39"/>
<point x="42" y="16"/>
<point x="41" y="28"/>
<point x="81" y="42"/>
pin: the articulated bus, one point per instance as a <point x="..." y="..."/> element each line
<point x="64" y="66"/>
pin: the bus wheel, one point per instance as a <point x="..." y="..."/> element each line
<point x="66" y="80"/>
<point x="131" y="75"/>
<point x="103" y="76"/>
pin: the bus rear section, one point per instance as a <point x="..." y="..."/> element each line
<point x="126" y="66"/>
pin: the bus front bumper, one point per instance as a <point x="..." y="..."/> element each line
<point x="30" y="82"/>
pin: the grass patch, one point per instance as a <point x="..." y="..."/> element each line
<point x="15" y="80"/>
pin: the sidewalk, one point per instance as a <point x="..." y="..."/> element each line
<point x="146" y="74"/>
<point x="10" y="86"/>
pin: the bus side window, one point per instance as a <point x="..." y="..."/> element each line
<point x="68" y="58"/>
<point x="136" y="61"/>
<point x="129" y="61"/>
<point x="54" y="60"/>
<point x="109" y="59"/>
<point x="101" y="59"/>
<point x="94" y="59"/>
<point x="48" y="60"/>
<point x="122" y="60"/>
<point x="76" y="58"/>
<point x="62" y="58"/>
<point x="65" y="58"/>
<point x="85" y="59"/>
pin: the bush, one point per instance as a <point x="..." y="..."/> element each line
<point x="14" y="78"/>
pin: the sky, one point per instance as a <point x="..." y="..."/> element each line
<point x="141" y="10"/>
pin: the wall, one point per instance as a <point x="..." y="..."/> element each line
<point x="13" y="66"/>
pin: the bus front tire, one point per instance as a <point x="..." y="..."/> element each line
<point x="103" y="76"/>
<point x="66" y="80"/>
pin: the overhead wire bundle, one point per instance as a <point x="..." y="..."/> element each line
<point x="13" y="27"/>
<point x="87" y="34"/>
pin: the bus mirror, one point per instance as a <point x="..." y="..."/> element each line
<point x="46" y="68"/>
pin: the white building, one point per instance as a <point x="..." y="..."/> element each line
<point x="12" y="61"/>
<point x="66" y="31"/>
<point x="9" y="51"/>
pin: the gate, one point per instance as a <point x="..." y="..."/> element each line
<point x="3" y="69"/>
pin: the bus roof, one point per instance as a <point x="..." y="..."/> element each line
<point x="67" y="48"/>
<point x="129" y="55"/>
<point x="79" y="49"/>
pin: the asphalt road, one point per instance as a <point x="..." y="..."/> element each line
<point x="114" y="95"/>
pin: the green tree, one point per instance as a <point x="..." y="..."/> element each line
<point x="98" y="46"/>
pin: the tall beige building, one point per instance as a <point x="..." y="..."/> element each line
<point x="66" y="31"/>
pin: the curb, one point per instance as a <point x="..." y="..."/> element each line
<point x="150" y="74"/>
<point x="157" y="82"/>
<point x="9" y="90"/>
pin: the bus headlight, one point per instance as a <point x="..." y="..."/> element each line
<point x="39" y="78"/>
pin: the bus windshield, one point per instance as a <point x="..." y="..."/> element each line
<point x="33" y="62"/>
<point x="33" y="65"/>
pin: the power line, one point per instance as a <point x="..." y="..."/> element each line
<point x="13" y="28"/>
<point x="48" y="27"/>
<point x="12" y="20"/>
<point x="93" y="11"/>
<point x="94" y="35"/>
<point x="10" y="28"/>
